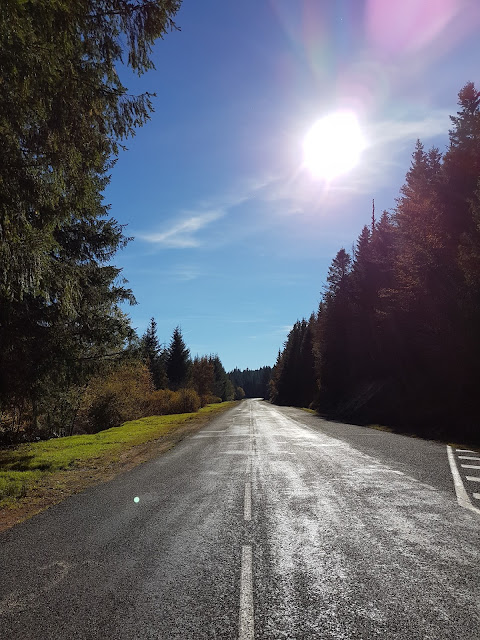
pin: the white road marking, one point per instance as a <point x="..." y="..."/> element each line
<point x="319" y="444"/>
<point x="247" y="504"/>
<point x="280" y="452"/>
<point x="468" y="457"/>
<point x="228" y="435"/>
<point x="462" y="496"/>
<point x="464" y="451"/>
<point x="245" y="624"/>
<point x="470" y="466"/>
<point x="473" y="478"/>
<point x="476" y="496"/>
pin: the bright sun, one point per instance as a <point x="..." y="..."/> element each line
<point x="333" y="145"/>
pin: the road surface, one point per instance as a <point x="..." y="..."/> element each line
<point x="269" y="523"/>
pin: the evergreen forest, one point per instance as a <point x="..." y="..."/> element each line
<point x="396" y="338"/>
<point x="255" y="383"/>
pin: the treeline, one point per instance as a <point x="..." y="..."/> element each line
<point x="171" y="367"/>
<point x="396" y="339"/>
<point x="255" y="383"/>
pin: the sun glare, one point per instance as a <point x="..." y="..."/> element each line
<point x="333" y="145"/>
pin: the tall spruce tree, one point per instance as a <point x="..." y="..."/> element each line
<point x="177" y="361"/>
<point x="154" y="356"/>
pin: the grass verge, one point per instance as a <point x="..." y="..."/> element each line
<point x="37" y="475"/>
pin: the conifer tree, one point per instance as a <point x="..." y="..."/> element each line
<point x="154" y="356"/>
<point x="336" y="323"/>
<point x="177" y="361"/>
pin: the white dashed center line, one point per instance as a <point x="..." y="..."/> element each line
<point x="247" y="505"/>
<point x="245" y="631"/>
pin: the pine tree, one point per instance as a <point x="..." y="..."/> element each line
<point x="338" y="272"/>
<point x="462" y="164"/>
<point x="154" y="356"/>
<point x="177" y="361"/>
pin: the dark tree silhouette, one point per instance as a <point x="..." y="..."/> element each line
<point x="177" y="361"/>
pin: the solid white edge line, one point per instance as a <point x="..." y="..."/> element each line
<point x="247" y="505"/>
<point x="462" y="496"/>
<point x="245" y="622"/>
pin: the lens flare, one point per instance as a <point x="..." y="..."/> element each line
<point x="333" y="145"/>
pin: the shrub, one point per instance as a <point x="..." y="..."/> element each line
<point x="160" y="402"/>
<point x="187" y="401"/>
<point x="211" y="399"/>
<point x="164" y="402"/>
<point x="121" y="395"/>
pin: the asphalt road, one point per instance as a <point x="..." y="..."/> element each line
<point x="269" y="523"/>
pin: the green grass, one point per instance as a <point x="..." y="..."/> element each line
<point x="22" y="467"/>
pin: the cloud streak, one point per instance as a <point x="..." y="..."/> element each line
<point x="186" y="233"/>
<point x="182" y="235"/>
<point x="389" y="132"/>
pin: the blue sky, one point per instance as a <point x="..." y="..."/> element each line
<point x="233" y="236"/>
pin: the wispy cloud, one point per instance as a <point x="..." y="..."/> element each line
<point x="186" y="273"/>
<point x="182" y="235"/>
<point x="186" y="232"/>
<point x="388" y="132"/>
